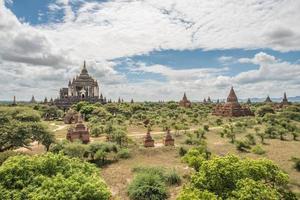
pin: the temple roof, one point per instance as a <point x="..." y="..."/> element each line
<point x="268" y="99"/>
<point x="284" y="98"/>
<point x="184" y="97"/>
<point x="232" y="96"/>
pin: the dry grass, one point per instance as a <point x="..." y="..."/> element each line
<point x="119" y="175"/>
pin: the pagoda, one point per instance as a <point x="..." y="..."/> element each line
<point x="14" y="103"/>
<point x="268" y="100"/>
<point x="185" y="102"/>
<point x="168" y="140"/>
<point x="79" y="133"/>
<point x="32" y="100"/>
<point x="83" y="87"/>
<point x="249" y="101"/>
<point x="232" y="107"/>
<point x="148" y="141"/>
<point x="284" y="101"/>
<point x="209" y="100"/>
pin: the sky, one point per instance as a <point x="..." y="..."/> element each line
<point x="151" y="50"/>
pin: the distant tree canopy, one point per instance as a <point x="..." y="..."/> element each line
<point x="233" y="178"/>
<point x="50" y="177"/>
<point x="21" y="126"/>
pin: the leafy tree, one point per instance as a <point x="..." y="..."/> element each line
<point x="50" y="176"/>
<point x="147" y="186"/>
<point x="75" y="150"/>
<point x="230" y="177"/>
<point x="261" y="111"/>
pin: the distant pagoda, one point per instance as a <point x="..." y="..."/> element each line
<point x="32" y="100"/>
<point x="82" y="88"/>
<point x="284" y="101"/>
<point x="249" y="101"/>
<point x="14" y="103"/>
<point x="268" y="100"/>
<point x="185" y="102"/>
<point x="232" y="108"/>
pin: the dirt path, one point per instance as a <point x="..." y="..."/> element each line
<point x="139" y="134"/>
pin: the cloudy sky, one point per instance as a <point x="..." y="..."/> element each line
<point x="151" y="49"/>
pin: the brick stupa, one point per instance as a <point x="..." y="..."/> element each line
<point x="79" y="133"/>
<point x="268" y="100"/>
<point x="284" y="101"/>
<point x="185" y="102"/>
<point x="232" y="108"/>
<point x="148" y="141"/>
<point x="168" y="140"/>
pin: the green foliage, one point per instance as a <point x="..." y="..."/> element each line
<point x="75" y="150"/>
<point x="19" y="126"/>
<point x="146" y="186"/>
<point x="6" y="154"/>
<point x="250" y="139"/>
<point x="242" y="145"/>
<point x="261" y="111"/>
<point x="50" y="176"/>
<point x="257" y="149"/>
<point x="172" y="178"/>
<point x="297" y="163"/>
<point x="124" y="153"/>
<point x="196" y="156"/>
<point x="230" y="177"/>
<point x="182" y="151"/>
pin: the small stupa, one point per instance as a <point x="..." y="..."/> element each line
<point x="148" y="141"/>
<point x="168" y="140"/>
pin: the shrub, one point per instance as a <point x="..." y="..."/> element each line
<point x="261" y="111"/>
<point x="50" y="176"/>
<point x="172" y="178"/>
<point x="147" y="186"/>
<point x="230" y="177"/>
<point x="258" y="150"/>
<point x="297" y="163"/>
<point x="242" y="145"/>
<point x="251" y="139"/>
<point x="6" y="154"/>
<point x="124" y="153"/>
<point x="75" y="150"/>
<point x="206" y="127"/>
<point x="182" y="151"/>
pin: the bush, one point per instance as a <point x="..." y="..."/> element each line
<point x="230" y="177"/>
<point x="297" y="163"/>
<point x="50" y="176"/>
<point x="124" y="153"/>
<point x="147" y="186"/>
<point x="182" y="151"/>
<point x="6" y="154"/>
<point x="172" y="178"/>
<point x="75" y="150"/>
<point x="242" y="145"/>
<point x="258" y="150"/>
<point x="251" y="139"/>
<point x="261" y="111"/>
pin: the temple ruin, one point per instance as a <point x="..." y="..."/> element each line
<point x="232" y="107"/>
<point x="185" y="102"/>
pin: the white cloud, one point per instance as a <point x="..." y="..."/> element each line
<point x="99" y="32"/>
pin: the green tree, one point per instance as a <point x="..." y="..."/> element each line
<point x="50" y="176"/>
<point x="230" y="177"/>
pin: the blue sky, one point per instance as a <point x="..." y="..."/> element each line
<point x="152" y="50"/>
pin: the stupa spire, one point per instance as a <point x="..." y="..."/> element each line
<point x="232" y="96"/>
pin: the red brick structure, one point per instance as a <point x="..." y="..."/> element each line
<point x="168" y="140"/>
<point x="232" y="108"/>
<point x="71" y="117"/>
<point x="79" y="133"/>
<point x="185" y="102"/>
<point x="148" y="141"/>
